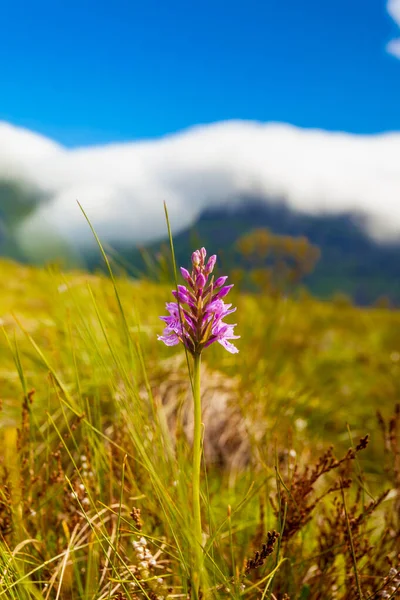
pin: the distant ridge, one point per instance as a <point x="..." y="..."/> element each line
<point x="351" y="261"/>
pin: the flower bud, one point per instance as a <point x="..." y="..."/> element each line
<point x="196" y="258"/>
<point x="200" y="281"/>
<point x="186" y="274"/>
<point x="220" y="281"/>
<point x="182" y="290"/>
<point x="179" y="296"/>
<point x="223" y="291"/>
<point x="211" y="264"/>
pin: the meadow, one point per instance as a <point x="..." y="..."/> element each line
<point x="300" y="485"/>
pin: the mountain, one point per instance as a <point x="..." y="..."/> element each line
<point x="16" y="203"/>
<point x="351" y="261"/>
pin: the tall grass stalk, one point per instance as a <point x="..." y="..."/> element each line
<point x="197" y="450"/>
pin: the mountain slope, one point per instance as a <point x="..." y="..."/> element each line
<point x="351" y="261"/>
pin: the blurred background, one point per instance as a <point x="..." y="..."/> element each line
<point x="270" y="129"/>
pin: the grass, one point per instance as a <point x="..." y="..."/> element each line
<point x="95" y="499"/>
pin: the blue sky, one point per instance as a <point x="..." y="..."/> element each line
<point x="93" y="72"/>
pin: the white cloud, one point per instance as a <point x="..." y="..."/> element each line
<point x="393" y="8"/>
<point x="122" y="186"/>
<point x="393" y="47"/>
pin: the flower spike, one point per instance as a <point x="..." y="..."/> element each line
<point x="196" y="320"/>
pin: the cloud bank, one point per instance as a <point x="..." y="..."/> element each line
<point x="393" y="7"/>
<point x="122" y="186"/>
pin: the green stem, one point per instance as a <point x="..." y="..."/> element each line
<point x="197" y="449"/>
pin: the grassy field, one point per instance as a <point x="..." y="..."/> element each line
<point x="96" y="425"/>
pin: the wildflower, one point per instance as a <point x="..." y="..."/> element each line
<point x="196" y="319"/>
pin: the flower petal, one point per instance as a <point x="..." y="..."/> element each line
<point x="170" y="339"/>
<point x="228" y="346"/>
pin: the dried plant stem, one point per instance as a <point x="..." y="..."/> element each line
<point x="197" y="449"/>
<point x="353" y="554"/>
